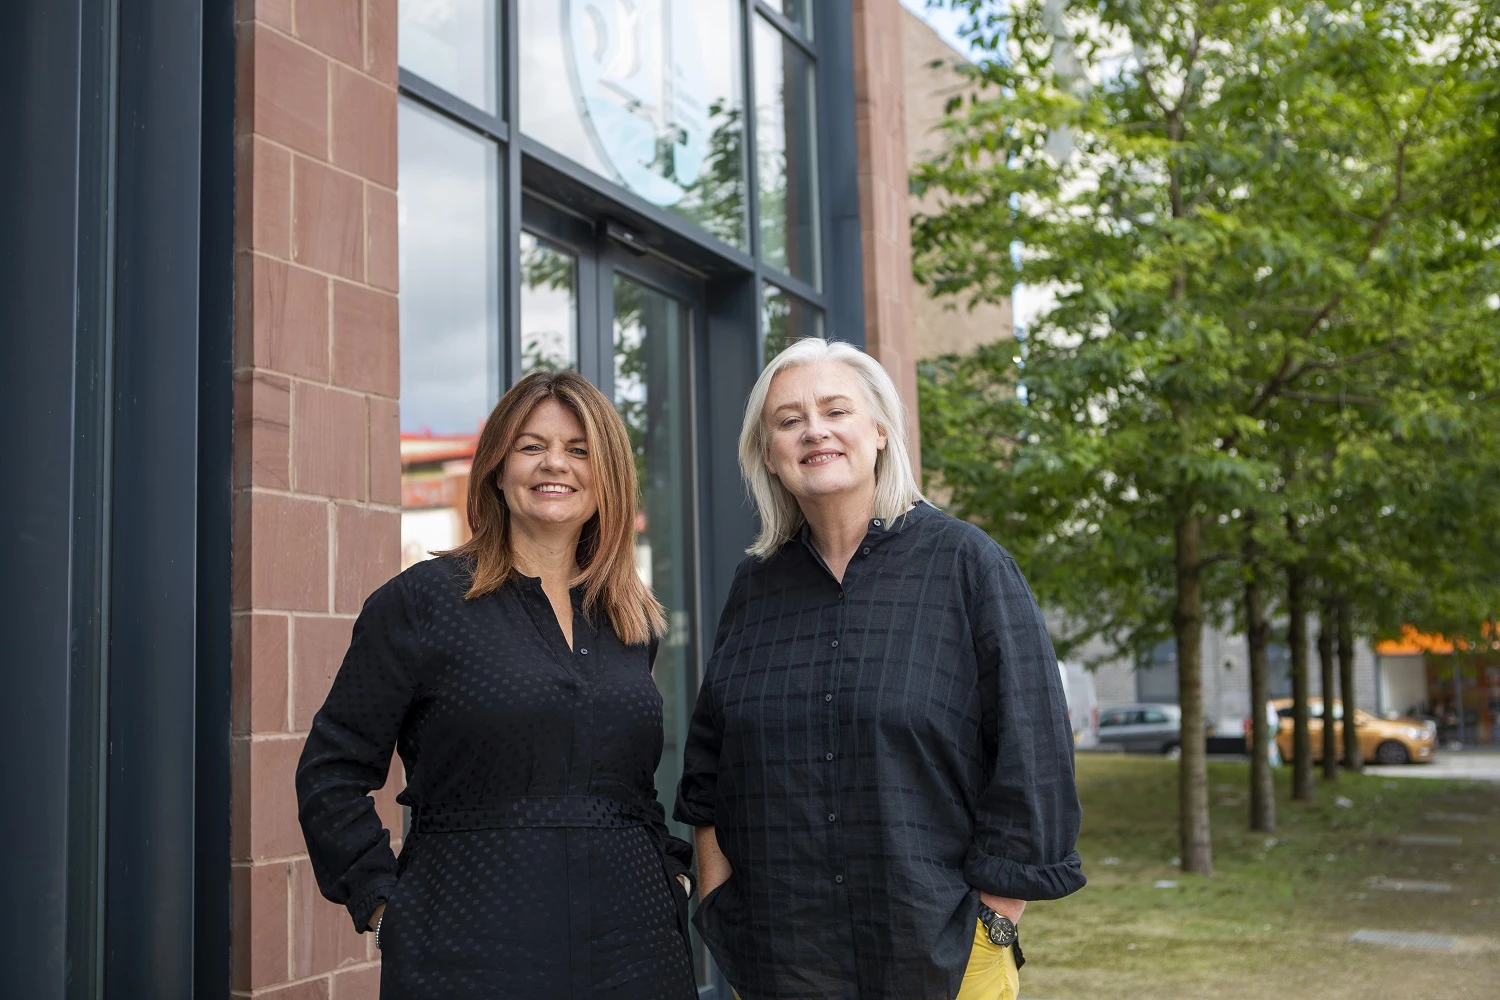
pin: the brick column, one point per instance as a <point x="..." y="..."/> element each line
<point x="880" y="116"/>
<point x="317" y="465"/>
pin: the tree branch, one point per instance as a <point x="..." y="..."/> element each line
<point x="1341" y="400"/>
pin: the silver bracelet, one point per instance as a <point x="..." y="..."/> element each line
<point x="377" y="931"/>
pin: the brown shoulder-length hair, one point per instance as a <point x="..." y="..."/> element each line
<point x="606" y="549"/>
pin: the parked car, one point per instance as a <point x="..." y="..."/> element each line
<point x="1083" y="704"/>
<point x="1144" y="728"/>
<point x="1381" y="741"/>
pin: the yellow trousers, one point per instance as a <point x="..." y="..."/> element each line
<point x="991" y="973"/>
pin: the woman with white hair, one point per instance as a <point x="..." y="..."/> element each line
<point x="880" y="765"/>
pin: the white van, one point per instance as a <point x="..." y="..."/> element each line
<point x="1083" y="704"/>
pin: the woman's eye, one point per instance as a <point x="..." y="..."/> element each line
<point x="838" y="413"/>
<point x="789" y="421"/>
<point x="580" y="452"/>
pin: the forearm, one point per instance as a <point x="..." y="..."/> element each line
<point x="1004" y="905"/>
<point x="713" y="867"/>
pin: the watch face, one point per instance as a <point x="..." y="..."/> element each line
<point x="1002" y="931"/>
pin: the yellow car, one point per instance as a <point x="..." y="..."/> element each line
<point x="1381" y="741"/>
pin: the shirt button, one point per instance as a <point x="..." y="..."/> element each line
<point x="832" y="817"/>
<point x="839" y="879"/>
<point x="828" y="697"/>
<point x="865" y="550"/>
<point x="834" y="644"/>
<point x="828" y="756"/>
<point x="876" y="522"/>
<point x="583" y="652"/>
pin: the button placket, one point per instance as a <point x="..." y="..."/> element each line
<point x="836" y="682"/>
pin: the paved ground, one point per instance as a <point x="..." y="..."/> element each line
<point x="1477" y="765"/>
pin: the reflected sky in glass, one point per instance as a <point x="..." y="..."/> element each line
<point x="450" y="302"/>
<point x="785" y="156"/>
<point x="452" y="43"/>
<point x="647" y="94"/>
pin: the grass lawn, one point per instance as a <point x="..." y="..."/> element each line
<point x="1275" y="917"/>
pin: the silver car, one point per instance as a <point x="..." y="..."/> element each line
<point x="1143" y="728"/>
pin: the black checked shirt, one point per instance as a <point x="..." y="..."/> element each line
<point x="873" y="754"/>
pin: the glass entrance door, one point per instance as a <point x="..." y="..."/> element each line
<point x="627" y="322"/>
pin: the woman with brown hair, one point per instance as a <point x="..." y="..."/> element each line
<point x="513" y="674"/>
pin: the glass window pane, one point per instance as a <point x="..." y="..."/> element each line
<point x="452" y="43"/>
<point x="651" y="393"/>
<point x="787" y="320"/>
<point x="799" y="12"/>
<point x="785" y="156"/>
<point x="647" y="94"/>
<point x="450" y="320"/>
<point x="549" y="306"/>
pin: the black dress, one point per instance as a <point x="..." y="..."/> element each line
<point x="537" y="863"/>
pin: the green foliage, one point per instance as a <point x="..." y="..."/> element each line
<point x="1272" y="250"/>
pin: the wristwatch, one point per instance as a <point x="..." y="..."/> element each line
<point x="1002" y="930"/>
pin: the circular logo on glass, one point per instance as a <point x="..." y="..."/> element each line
<point x="638" y="77"/>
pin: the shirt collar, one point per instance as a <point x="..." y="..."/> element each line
<point x="878" y="527"/>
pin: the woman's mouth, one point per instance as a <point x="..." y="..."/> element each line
<point x="821" y="457"/>
<point x="553" y="489"/>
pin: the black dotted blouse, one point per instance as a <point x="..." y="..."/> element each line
<point x="872" y="754"/>
<point x="537" y="863"/>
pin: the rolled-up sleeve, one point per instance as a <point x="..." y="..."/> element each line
<point x="348" y="755"/>
<point x="1027" y="815"/>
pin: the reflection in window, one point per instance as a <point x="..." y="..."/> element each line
<point x="647" y="94"/>
<point x="651" y="377"/>
<point x="787" y="320"/>
<point x="450" y="319"/>
<point x="785" y="156"/>
<point x="549" y="306"/>
<point x="799" y="12"/>
<point x="454" y="44"/>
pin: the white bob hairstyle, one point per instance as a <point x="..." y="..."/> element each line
<point x="895" y="486"/>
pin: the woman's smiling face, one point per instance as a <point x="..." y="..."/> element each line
<point x="823" y="439"/>
<point x="547" y="477"/>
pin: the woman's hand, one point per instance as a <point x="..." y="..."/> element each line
<point x="375" y="917"/>
<point x="1004" y="905"/>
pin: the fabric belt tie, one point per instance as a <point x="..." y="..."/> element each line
<point x="597" y="812"/>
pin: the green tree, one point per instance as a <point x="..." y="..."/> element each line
<point x="1224" y="199"/>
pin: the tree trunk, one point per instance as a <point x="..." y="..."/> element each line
<point x="1187" y="622"/>
<point x="1352" y="758"/>
<point x="1258" y="634"/>
<point x="1326" y="674"/>
<point x="1296" y="607"/>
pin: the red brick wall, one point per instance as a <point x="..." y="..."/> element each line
<point x="880" y="116"/>
<point x="317" y="466"/>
